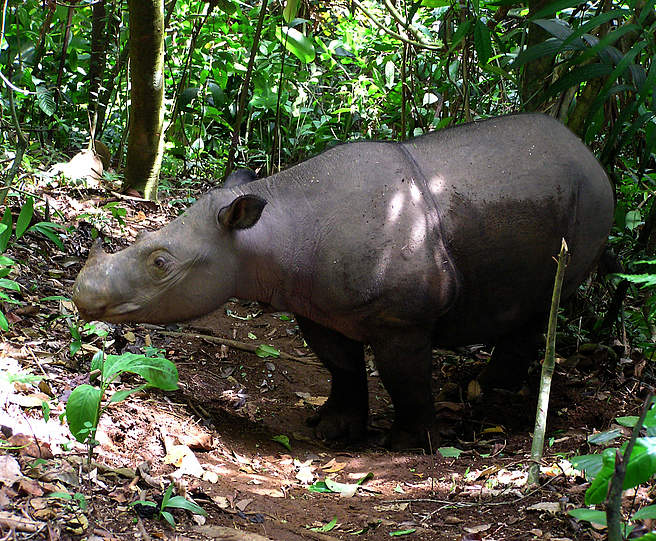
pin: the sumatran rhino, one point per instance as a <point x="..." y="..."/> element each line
<point x="443" y="240"/>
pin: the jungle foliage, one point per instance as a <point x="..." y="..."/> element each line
<point x="280" y="81"/>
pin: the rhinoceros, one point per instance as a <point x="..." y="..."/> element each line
<point x="443" y="240"/>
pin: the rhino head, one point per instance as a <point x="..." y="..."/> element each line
<point x="186" y="269"/>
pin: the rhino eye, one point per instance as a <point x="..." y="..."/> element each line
<point x="160" y="262"/>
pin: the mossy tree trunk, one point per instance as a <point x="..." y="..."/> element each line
<point x="146" y="141"/>
<point x="536" y="73"/>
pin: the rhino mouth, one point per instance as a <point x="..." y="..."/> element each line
<point x="116" y="313"/>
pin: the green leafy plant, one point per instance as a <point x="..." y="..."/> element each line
<point x="77" y="499"/>
<point x="599" y="468"/>
<point x="85" y="404"/>
<point x="172" y="502"/>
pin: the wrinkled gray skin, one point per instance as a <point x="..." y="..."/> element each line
<point x="447" y="239"/>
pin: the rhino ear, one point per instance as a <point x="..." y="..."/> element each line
<point x="242" y="213"/>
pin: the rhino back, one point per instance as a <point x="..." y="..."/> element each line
<point x="508" y="190"/>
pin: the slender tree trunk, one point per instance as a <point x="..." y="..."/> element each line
<point x="97" y="62"/>
<point x="536" y="74"/>
<point x="146" y="141"/>
<point x="62" y="56"/>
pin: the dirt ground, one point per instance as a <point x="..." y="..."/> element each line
<point x="215" y="438"/>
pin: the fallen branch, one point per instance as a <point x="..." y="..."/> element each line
<point x="251" y="348"/>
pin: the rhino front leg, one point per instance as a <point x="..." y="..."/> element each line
<point x="344" y="415"/>
<point x="404" y="360"/>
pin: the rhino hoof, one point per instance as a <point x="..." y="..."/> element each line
<point x="337" y="426"/>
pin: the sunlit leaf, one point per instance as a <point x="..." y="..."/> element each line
<point x="46" y="100"/>
<point x="326" y="527"/>
<point x="590" y="515"/>
<point x="290" y="10"/>
<point x="82" y="408"/>
<point x="266" y="351"/>
<point x="297" y="44"/>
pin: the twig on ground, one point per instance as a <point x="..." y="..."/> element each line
<point x="251" y="348"/>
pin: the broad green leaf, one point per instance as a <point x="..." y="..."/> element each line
<point x="591" y="515"/>
<point x="604" y="93"/>
<point x="648" y="512"/>
<point x="648" y="536"/>
<point x="297" y="44"/>
<point x="81" y="500"/>
<point x="24" y="218"/>
<point x="345" y="489"/>
<point x="4" y="235"/>
<point x="604" y="437"/>
<point x="4" y="324"/>
<point x="47" y="230"/>
<point x="435" y="3"/>
<point x="284" y="441"/>
<point x="145" y="503"/>
<point x="97" y="360"/>
<point x="590" y="464"/>
<point x="482" y="42"/>
<point x="266" y="351"/>
<point x="579" y="75"/>
<point x="290" y="10"/>
<point x="550" y="47"/>
<point x="555" y="7"/>
<point x="628" y="421"/>
<point x="178" y="502"/>
<point x="599" y="486"/>
<point x="9" y="284"/>
<point x="642" y="463"/>
<point x="60" y="496"/>
<point x="119" y="396"/>
<point x="46" y="100"/>
<point x="399" y="533"/>
<point x="460" y="34"/>
<point x="633" y="219"/>
<point x="167" y="495"/>
<point x="594" y="22"/>
<point x="82" y="410"/>
<point x="326" y="527"/>
<point x="319" y="486"/>
<point x="558" y="29"/>
<point x="602" y="47"/>
<point x="218" y="96"/>
<point x="168" y="517"/>
<point x="187" y="96"/>
<point x="227" y="6"/>
<point x="450" y="452"/>
<point x="157" y="371"/>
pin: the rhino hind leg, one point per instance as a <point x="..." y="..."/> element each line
<point x="344" y="415"/>
<point x="512" y="357"/>
<point x="403" y="359"/>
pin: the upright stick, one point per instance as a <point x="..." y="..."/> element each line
<point x="547" y="370"/>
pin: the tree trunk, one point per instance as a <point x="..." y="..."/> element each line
<point x="536" y="74"/>
<point x="146" y="141"/>
<point x="97" y="62"/>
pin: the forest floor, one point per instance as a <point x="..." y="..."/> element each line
<point x="214" y="437"/>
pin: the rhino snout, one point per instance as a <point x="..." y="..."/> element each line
<point x="95" y="302"/>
